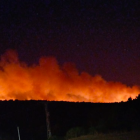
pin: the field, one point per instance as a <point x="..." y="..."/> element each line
<point x="135" y="135"/>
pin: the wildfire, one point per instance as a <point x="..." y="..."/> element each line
<point x="49" y="81"/>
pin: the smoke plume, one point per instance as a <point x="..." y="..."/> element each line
<point x="50" y="81"/>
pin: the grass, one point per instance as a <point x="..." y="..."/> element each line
<point x="134" y="135"/>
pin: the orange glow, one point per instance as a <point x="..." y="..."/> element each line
<point x="49" y="81"/>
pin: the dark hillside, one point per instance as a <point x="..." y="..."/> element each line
<point x="31" y="119"/>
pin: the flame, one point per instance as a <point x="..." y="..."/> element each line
<point x="50" y="81"/>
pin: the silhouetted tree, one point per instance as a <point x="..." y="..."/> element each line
<point x="138" y="97"/>
<point x="129" y="99"/>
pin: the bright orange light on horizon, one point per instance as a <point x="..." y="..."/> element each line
<point x="49" y="81"/>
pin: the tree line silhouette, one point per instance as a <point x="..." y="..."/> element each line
<point x="67" y="118"/>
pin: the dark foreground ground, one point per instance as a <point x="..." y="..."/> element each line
<point x="30" y="117"/>
<point x="135" y="135"/>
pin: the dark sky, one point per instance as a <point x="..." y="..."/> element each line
<point x="99" y="36"/>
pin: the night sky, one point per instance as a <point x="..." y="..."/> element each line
<point x="99" y="36"/>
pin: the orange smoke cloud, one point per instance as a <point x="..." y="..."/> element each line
<point x="50" y="81"/>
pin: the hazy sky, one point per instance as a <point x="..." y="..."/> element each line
<point x="99" y="36"/>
